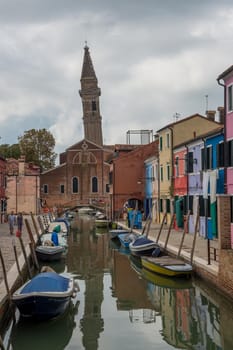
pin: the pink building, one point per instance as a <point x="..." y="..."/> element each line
<point x="22" y="187"/>
<point x="225" y="79"/>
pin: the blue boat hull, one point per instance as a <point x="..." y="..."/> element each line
<point x="45" y="296"/>
<point x="42" y="308"/>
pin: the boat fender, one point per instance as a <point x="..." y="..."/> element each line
<point x="76" y="287"/>
<point x="156" y="252"/>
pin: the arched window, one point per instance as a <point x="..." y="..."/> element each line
<point x="94" y="184"/>
<point x="75" y="185"/>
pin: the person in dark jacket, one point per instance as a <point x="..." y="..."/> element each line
<point x="19" y="222"/>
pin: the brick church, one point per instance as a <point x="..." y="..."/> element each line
<point x="82" y="176"/>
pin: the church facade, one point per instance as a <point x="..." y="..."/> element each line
<point x="82" y="176"/>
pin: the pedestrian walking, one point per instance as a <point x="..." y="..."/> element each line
<point x="20" y="222"/>
<point x="11" y="222"/>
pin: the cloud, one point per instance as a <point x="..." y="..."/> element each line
<point x="152" y="59"/>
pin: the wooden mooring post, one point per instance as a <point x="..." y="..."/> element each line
<point x="35" y="226"/>
<point x="169" y="230"/>
<point x="5" y="275"/>
<point x="34" y="257"/>
<point x="17" y="260"/>
<point x="25" y="257"/>
<point x="161" y="227"/>
<point x="30" y="232"/>
<point x="2" y="347"/>
<point x="183" y="235"/>
<point x="194" y="238"/>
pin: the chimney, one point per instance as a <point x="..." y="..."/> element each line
<point x="221" y="115"/>
<point x="211" y="115"/>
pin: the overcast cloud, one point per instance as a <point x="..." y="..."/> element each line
<point x="152" y="58"/>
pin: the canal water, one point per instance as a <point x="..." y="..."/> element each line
<point x="122" y="306"/>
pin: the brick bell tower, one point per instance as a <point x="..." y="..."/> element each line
<point x="90" y="93"/>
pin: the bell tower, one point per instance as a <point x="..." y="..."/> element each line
<point x="90" y="93"/>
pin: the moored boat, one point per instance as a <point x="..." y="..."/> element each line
<point x="49" y="253"/>
<point x="115" y="232"/>
<point x="59" y="227"/>
<point x="166" y="265"/>
<point x="143" y="246"/>
<point x="101" y="223"/>
<point x="127" y="238"/>
<point x="45" y="296"/>
<point x="166" y="281"/>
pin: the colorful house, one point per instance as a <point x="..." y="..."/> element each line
<point x="225" y="79"/>
<point x="180" y="184"/>
<point x="170" y="136"/>
<point x="198" y="178"/>
<point x="150" y="190"/>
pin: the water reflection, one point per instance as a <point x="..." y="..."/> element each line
<point x="125" y="306"/>
<point x="88" y="258"/>
<point x="51" y="335"/>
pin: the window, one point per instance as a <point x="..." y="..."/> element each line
<point x="177" y="167"/>
<point x="230" y="98"/>
<point x="161" y="173"/>
<point x="93" y="105"/>
<point x="231" y="199"/>
<point x="160" y="143"/>
<point x="156" y="171"/>
<point x="190" y="204"/>
<point x="230" y="153"/>
<point x="209" y="164"/>
<point x="75" y="185"/>
<point x="62" y="189"/>
<point x="220" y="155"/>
<point x="204" y="206"/>
<point x="107" y="188"/>
<point x="168" y="206"/>
<point x="206" y="158"/>
<point x="168" y="172"/>
<point x="110" y="178"/>
<point x="160" y="205"/>
<point x="203" y="159"/>
<point x="153" y="172"/>
<point x="201" y="206"/>
<point x="94" y="184"/>
<point x="168" y="140"/>
<point x="45" y="188"/>
<point x="190" y="162"/>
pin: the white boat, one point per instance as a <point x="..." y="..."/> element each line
<point x="45" y="296"/>
<point x="167" y="265"/>
<point x="114" y="233"/>
<point x="143" y="246"/>
<point x="59" y="227"/>
<point x="49" y="253"/>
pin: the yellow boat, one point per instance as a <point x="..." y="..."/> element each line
<point x="166" y="265"/>
<point x="165" y="281"/>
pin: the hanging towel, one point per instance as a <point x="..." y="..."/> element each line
<point x="195" y="208"/>
<point x="213" y="185"/>
<point x="205" y="184"/>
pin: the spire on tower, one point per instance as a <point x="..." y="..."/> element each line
<point x="87" y="69"/>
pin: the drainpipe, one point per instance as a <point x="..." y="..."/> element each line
<point x="226" y="156"/>
<point x="206" y="204"/>
<point x="158" y="181"/>
<point x="186" y="166"/>
<point x="172" y="164"/>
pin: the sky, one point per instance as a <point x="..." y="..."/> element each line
<point x="155" y="60"/>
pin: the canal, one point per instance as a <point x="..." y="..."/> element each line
<point x="121" y="306"/>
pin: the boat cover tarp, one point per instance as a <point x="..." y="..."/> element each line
<point x="57" y="228"/>
<point x="47" y="282"/>
<point x="141" y="241"/>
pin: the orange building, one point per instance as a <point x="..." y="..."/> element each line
<point x="127" y="177"/>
